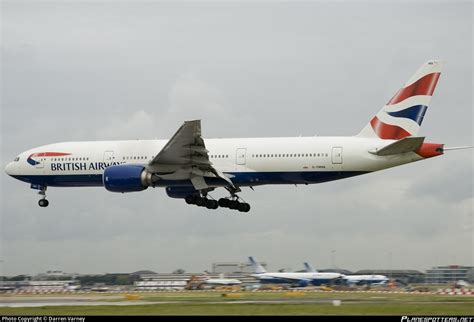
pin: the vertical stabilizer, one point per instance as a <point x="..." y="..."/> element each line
<point x="403" y="114"/>
<point x="257" y="268"/>
<point x="309" y="268"/>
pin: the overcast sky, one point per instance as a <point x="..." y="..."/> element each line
<point x="95" y="71"/>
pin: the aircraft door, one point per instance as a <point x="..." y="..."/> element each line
<point x="109" y="156"/>
<point x="336" y="155"/>
<point x="240" y="156"/>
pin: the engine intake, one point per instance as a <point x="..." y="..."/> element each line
<point x="127" y="178"/>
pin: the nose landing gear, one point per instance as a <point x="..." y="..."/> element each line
<point x="43" y="202"/>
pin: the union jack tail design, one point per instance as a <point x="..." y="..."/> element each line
<point x="403" y="114"/>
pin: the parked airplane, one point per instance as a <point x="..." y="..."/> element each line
<point x="294" y="278"/>
<point x="190" y="167"/>
<point x="221" y="281"/>
<point x="356" y="279"/>
<point x="209" y="282"/>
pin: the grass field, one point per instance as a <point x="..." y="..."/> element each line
<point x="284" y="303"/>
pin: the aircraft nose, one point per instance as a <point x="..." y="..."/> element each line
<point x="9" y="168"/>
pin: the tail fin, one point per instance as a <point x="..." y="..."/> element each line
<point x="403" y="114"/>
<point x="256" y="266"/>
<point x="309" y="268"/>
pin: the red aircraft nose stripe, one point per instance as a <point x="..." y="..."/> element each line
<point x="49" y="154"/>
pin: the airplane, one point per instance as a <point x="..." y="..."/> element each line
<point x="356" y="279"/>
<point x="221" y="281"/>
<point x="197" y="282"/>
<point x="189" y="167"/>
<point x="300" y="279"/>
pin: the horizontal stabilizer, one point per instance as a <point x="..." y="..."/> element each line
<point x="408" y="144"/>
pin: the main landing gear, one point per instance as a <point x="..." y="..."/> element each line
<point x="43" y="202"/>
<point x="231" y="203"/>
<point x="201" y="201"/>
<point x="234" y="204"/>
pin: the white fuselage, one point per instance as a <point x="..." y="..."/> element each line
<point x="222" y="281"/>
<point x="298" y="278"/>
<point x="366" y="279"/>
<point x="246" y="161"/>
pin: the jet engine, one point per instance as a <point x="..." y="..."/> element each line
<point x="127" y="178"/>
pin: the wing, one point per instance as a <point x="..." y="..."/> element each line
<point x="185" y="157"/>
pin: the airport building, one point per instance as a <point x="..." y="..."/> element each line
<point x="40" y="286"/>
<point x="449" y="274"/>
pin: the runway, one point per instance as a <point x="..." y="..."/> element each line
<point x="43" y="301"/>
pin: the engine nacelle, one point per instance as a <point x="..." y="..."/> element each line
<point x="127" y="178"/>
<point x="180" y="192"/>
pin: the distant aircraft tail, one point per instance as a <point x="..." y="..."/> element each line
<point x="403" y="114"/>
<point x="257" y="268"/>
<point x="309" y="268"/>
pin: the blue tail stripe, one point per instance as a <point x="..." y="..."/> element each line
<point x="415" y="113"/>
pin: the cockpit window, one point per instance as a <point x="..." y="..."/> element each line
<point x="16" y="159"/>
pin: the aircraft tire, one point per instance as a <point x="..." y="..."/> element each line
<point x="43" y="203"/>
<point x="223" y="202"/>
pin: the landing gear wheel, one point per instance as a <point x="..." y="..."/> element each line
<point x="201" y="202"/>
<point x="233" y="204"/>
<point x="224" y="202"/>
<point x="244" y="207"/>
<point x="43" y="203"/>
<point x="211" y="204"/>
<point x="191" y="200"/>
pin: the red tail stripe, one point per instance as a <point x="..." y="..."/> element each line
<point x="424" y="86"/>
<point x="387" y="131"/>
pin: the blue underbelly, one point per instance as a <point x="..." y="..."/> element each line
<point x="238" y="178"/>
